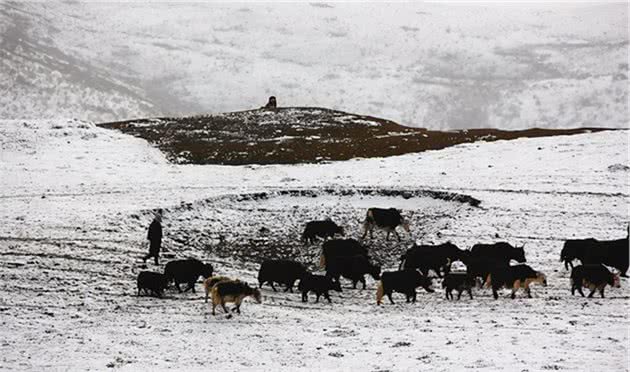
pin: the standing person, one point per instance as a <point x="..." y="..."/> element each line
<point x="155" y="237"/>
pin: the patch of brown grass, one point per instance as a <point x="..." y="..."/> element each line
<point x="300" y="135"/>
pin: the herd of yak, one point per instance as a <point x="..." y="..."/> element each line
<point x="487" y="264"/>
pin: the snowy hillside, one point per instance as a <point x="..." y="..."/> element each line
<point x="295" y="135"/>
<point x="75" y="201"/>
<point x="439" y="66"/>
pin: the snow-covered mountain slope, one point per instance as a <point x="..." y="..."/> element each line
<point x="74" y="210"/>
<point x="295" y="135"/>
<point x="440" y="66"/>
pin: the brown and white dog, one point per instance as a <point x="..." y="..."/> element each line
<point x="211" y="281"/>
<point x="232" y="291"/>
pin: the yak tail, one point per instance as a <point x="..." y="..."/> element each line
<point x="379" y="292"/>
<point x="322" y="261"/>
<point x="488" y="280"/>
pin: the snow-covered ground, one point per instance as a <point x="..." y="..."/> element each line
<point x="73" y="214"/>
<point x="440" y="66"/>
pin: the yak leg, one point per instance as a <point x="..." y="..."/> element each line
<point x="495" y="294"/>
<point x="289" y="287"/>
<point x="223" y="306"/>
<point x="317" y="299"/>
<point x="177" y="286"/>
<point x="363" y="281"/>
<point x="272" y="286"/>
<point x="238" y="305"/>
<point x="304" y="296"/>
<point x="593" y="289"/>
<point x="601" y="290"/>
<point x="447" y="294"/>
<point x="327" y="296"/>
<point x="579" y="289"/>
<point x="470" y="293"/>
<point x="528" y="290"/>
<point x="389" y="295"/>
<point x="459" y="294"/>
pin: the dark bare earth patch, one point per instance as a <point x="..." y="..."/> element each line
<point x="300" y="135"/>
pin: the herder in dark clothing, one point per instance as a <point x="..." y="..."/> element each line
<point x="155" y="237"/>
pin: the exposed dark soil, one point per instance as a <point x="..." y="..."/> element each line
<point x="300" y="135"/>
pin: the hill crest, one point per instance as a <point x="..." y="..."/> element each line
<point x="291" y="135"/>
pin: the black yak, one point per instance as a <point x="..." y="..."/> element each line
<point x="384" y="219"/>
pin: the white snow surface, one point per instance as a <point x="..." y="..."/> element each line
<point x="73" y="201"/>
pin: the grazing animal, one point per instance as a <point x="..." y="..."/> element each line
<point x="614" y="253"/>
<point x="285" y="272"/>
<point x="574" y="249"/>
<point x="460" y="282"/>
<point x="500" y="251"/>
<point x="341" y="248"/>
<point x="152" y="283"/>
<point x="402" y="281"/>
<point x="187" y="271"/>
<point x="319" y="284"/>
<point x="320" y="229"/>
<point x="232" y="291"/>
<point x="384" y="219"/>
<point x="515" y="277"/>
<point x="211" y="281"/>
<point x="353" y="267"/>
<point x="482" y="267"/>
<point x="594" y="277"/>
<point x="431" y="257"/>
